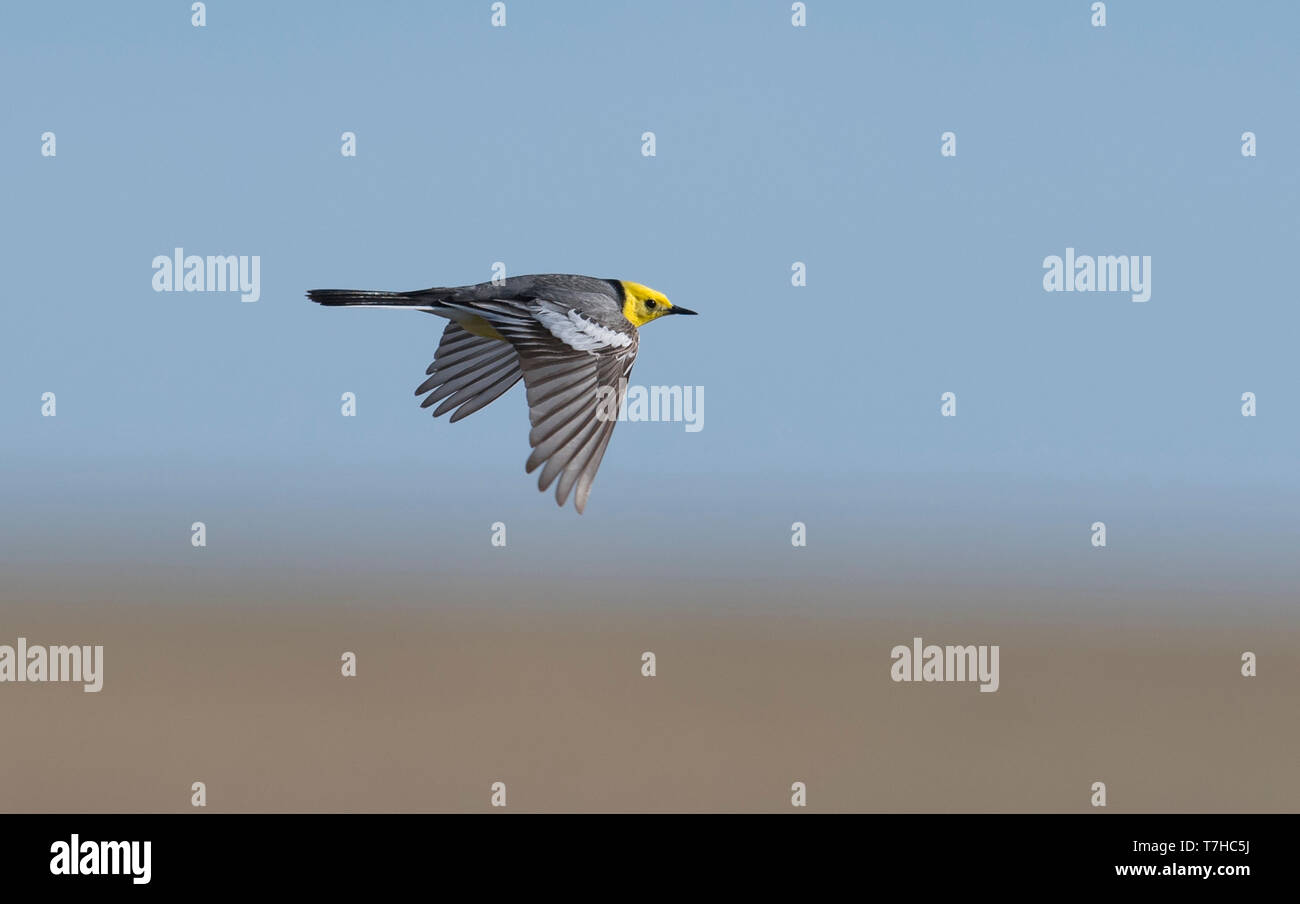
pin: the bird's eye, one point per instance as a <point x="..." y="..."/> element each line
<point x="651" y="304"/>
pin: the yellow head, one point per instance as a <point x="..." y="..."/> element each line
<point x="641" y="304"/>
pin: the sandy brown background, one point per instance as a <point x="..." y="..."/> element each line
<point x="249" y="699"/>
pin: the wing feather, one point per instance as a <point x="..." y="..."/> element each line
<point x="571" y="438"/>
<point x="468" y="371"/>
<point x="566" y="360"/>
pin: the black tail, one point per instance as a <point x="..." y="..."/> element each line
<point x="345" y="297"/>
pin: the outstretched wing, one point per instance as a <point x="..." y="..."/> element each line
<point x="575" y="370"/>
<point x="468" y="372"/>
<point x="573" y="403"/>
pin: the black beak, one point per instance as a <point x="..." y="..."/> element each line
<point x="676" y="309"/>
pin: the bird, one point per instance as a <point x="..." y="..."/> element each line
<point x="571" y="339"/>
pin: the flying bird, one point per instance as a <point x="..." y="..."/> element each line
<point x="571" y="339"/>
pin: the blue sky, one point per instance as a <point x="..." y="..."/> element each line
<point x="774" y="145"/>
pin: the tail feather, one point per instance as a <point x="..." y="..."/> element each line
<point x="353" y="297"/>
